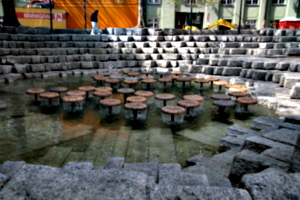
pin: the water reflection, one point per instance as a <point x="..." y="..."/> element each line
<point x="34" y="133"/>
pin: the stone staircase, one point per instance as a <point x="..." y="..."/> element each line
<point x="258" y="55"/>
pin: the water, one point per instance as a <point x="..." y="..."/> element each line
<point x="53" y="137"/>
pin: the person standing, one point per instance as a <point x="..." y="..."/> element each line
<point x="94" y="20"/>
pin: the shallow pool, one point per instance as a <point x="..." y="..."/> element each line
<point x="53" y="137"/>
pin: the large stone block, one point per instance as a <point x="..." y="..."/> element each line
<point x="17" y="60"/>
<point x="37" y="68"/>
<point x="231" y="71"/>
<point x="6" y="69"/>
<point x="171" y="56"/>
<point x="295" y="91"/>
<point x="237" y="51"/>
<point x="272" y="185"/>
<point x="20" y="68"/>
<point x="87" y="65"/>
<point x="259" y="75"/>
<point x="247" y="162"/>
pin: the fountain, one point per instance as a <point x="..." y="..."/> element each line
<point x="219" y="86"/>
<point x="148" y="94"/>
<point x="201" y="82"/>
<point x="35" y="92"/>
<point x="164" y="99"/>
<point x="50" y="98"/>
<point x="173" y="114"/>
<point x="192" y="107"/>
<point x="92" y="120"/>
<point x="110" y="107"/>
<point x="135" y="111"/>
<point x="73" y="103"/>
<point x="58" y="90"/>
<point x="113" y="83"/>
<point x="102" y="94"/>
<point x="246" y="105"/>
<point x="87" y="90"/>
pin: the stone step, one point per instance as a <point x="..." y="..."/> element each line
<point x="109" y="139"/>
<point x="138" y="147"/>
<point x="56" y="156"/>
<point x="95" y="146"/>
<point x="157" y="140"/>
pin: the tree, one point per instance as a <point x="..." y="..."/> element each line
<point x="10" y="17"/>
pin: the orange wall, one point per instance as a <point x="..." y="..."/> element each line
<point x="112" y="13"/>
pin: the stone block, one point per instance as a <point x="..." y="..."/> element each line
<point x="111" y="57"/>
<point x="164" y="44"/>
<point x="20" y="68"/>
<point x="132" y="63"/>
<point x="167" y="50"/>
<point x="289" y="80"/>
<point x="266" y="45"/>
<point x="206" y="69"/>
<point x="200" y="38"/>
<point x="205" y="50"/>
<point x="287" y="39"/>
<point x="142" y="57"/>
<point x="149" y="50"/>
<point x="247" y="162"/>
<point x="156" y="56"/>
<point x="272" y="185"/>
<point x="178" y="44"/>
<point x="6" y="69"/>
<point x="146" y="63"/>
<point x="249" y="45"/>
<point x="269" y="65"/>
<point x="235" y="63"/>
<point x="183" y="50"/>
<point x="151" y="169"/>
<point x="202" y="61"/>
<point x="282" y="66"/>
<point x="265" y="122"/>
<point x="295" y="91"/>
<point x="201" y="44"/>
<point x="37" y="68"/>
<point x="292" y="52"/>
<point x="231" y="71"/>
<point x="171" y="56"/>
<point x="265" y="39"/>
<point x="218" y="70"/>
<point x="162" y="63"/>
<point x="259" y="75"/>
<point x="101" y="57"/>
<point x="155" y="38"/>
<point x="237" y="51"/>
<point x="120" y="64"/>
<point x="294" y="67"/>
<point x="17" y="59"/>
<point x="87" y="65"/>
<point x="229" y="142"/>
<point x="236" y="131"/>
<point x="257" y="65"/>
<point x="5" y="36"/>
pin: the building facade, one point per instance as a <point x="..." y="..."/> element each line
<point x="165" y="14"/>
<point x="249" y="13"/>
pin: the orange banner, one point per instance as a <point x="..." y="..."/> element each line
<point x="35" y="17"/>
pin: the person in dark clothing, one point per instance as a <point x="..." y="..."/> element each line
<point x="94" y="20"/>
